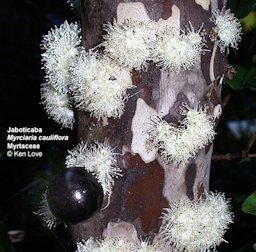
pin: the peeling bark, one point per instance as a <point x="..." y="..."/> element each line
<point x="148" y="184"/>
<point x="204" y="3"/>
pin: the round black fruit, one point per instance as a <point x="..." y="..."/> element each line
<point x="74" y="195"/>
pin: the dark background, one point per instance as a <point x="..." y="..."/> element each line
<point x="22" y="180"/>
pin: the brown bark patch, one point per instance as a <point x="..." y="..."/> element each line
<point x="136" y="78"/>
<point x="167" y="9"/>
<point x="190" y="176"/>
<point x="144" y="196"/>
<point x="134" y="161"/>
<point x="214" y="94"/>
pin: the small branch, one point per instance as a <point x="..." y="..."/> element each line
<point x="226" y="100"/>
<point x="250" y="143"/>
<point x="214" y="50"/>
<point x="232" y="156"/>
<point x="227" y="156"/>
<point x="243" y="154"/>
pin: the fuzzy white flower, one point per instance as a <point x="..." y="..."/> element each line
<point x="77" y="156"/>
<point x="115" y="245"/>
<point x="105" y="245"/>
<point x="178" y="144"/>
<point x="197" y="226"/>
<point x="99" y="159"/>
<point x="196" y="38"/>
<point x="89" y="245"/>
<point x="44" y="211"/>
<point x="57" y="105"/>
<point x="129" y="44"/>
<point x="178" y="51"/>
<point x="144" y="246"/>
<point x="61" y="46"/>
<point x="98" y="86"/>
<point x="228" y="29"/>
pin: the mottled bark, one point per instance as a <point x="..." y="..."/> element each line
<point x="148" y="184"/>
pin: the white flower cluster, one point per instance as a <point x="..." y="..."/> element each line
<point x="44" y="211"/>
<point x="197" y="226"/>
<point x="133" y="44"/>
<point x="228" y="29"/>
<point x="178" y="51"/>
<point x="98" y="86"/>
<point x="114" y="245"/>
<point x="61" y="46"/>
<point x="106" y="245"/>
<point x="178" y="144"/>
<point x="129" y="44"/>
<point x="98" y="159"/>
<point x="57" y="105"/>
<point x="144" y="246"/>
<point x="77" y="156"/>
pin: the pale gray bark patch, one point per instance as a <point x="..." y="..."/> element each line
<point x="174" y="188"/>
<point x="141" y="123"/>
<point x="191" y="83"/>
<point x="204" y="3"/>
<point x="137" y="11"/>
<point x="169" y="86"/>
<point x="214" y="5"/>
<point x="203" y="164"/>
<point x="121" y="230"/>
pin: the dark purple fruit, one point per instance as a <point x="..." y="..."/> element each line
<point x="74" y="195"/>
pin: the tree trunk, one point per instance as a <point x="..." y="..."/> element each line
<point x="148" y="184"/>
